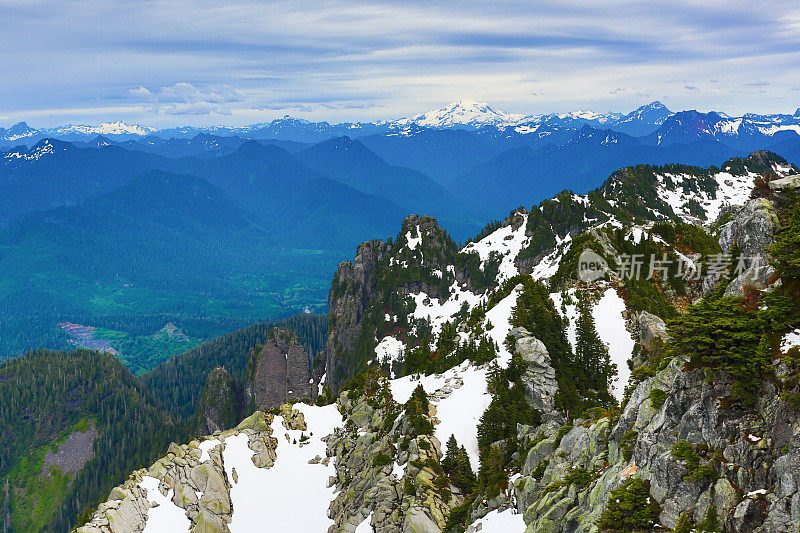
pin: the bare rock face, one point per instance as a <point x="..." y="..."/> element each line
<point x="652" y="331"/>
<point x="540" y="377"/>
<point x="280" y="371"/>
<point x="352" y="291"/>
<point x="752" y="229"/>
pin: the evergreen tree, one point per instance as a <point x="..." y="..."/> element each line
<point x="449" y="460"/>
<point x="463" y="477"/>
<point x="710" y="523"/>
<point x="591" y="353"/>
<point x="785" y="252"/>
<point x="683" y="525"/>
<point x="630" y="508"/>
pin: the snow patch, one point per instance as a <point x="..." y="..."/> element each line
<point x="508" y="521"/>
<point x="389" y="350"/>
<point x="165" y="515"/>
<point x="263" y="492"/>
<point x="507" y="242"/>
<point x="790" y="340"/>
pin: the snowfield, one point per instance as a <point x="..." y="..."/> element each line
<point x="508" y="242"/>
<point x="508" y="521"/>
<point x="460" y="397"/>
<point x="269" y="494"/>
<point x="609" y="320"/>
<point x="166" y="516"/>
<point x="263" y="492"/>
<point x="389" y="350"/>
<point x="499" y="317"/>
<point x="439" y="312"/>
<point x="790" y="340"/>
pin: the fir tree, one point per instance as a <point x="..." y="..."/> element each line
<point x="630" y="508"/>
<point x="683" y="525"/>
<point x="591" y="353"/>
<point x="785" y="252"/>
<point x="449" y="460"/>
<point x="710" y="523"/>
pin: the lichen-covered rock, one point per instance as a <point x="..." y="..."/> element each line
<point x="201" y="488"/>
<point x="539" y="378"/>
<point x="652" y="330"/>
<point x="782" y="188"/>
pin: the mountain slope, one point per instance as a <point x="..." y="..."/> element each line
<point x="162" y="244"/>
<point x="353" y="164"/>
<point x="565" y="404"/>
<point x="54" y="173"/>
<point x="74" y="424"/>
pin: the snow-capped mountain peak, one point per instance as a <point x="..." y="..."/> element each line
<point x="462" y="113"/>
<point x="106" y="128"/>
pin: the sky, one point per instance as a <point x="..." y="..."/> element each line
<point x="177" y="62"/>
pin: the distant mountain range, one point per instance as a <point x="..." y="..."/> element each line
<point x="112" y="223"/>
<point x="469" y="115"/>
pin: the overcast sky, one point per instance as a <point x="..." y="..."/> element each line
<point x="234" y="62"/>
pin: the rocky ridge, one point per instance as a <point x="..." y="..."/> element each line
<point x="677" y="434"/>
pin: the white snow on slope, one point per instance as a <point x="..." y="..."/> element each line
<point x="462" y="113"/>
<point x="731" y="191"/>
<point x="609" y="319"/>
<point x="263" y="493"/>
<point x="439" y="312"/>
<point x="508" y="521"/>
<point x="105" y="128"/>
<point x="389" y="350"/>
<point x="365" y="527"/>
<point x="507" y="242"/>
<point x="499" y="317"/>
<point x="790" y="340"/>
<point x="413" y="242"/>
<point x="568" y="312"/>
<point x="459" y="412"/>
<point x="166" y="516"/>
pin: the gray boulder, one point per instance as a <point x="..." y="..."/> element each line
<point x="539" y="377"/>
<point x="783" y="187"/>
<point x="652" y="330"/>
<point x="752" y="228"/>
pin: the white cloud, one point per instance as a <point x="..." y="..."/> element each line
<point x="183" y="98"/>
<point x="366" y="59"/>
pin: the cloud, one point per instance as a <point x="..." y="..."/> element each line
<point x="365" y="59"/>
<point x="183" y="98"/>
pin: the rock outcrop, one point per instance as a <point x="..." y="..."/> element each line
<point x="280" y="371"/>
<point x="751" y="229"/>
<point x="193" y="476"/>
<point x="351" y="294"/>
<point x="387" y="474"/>
<point x="784" y="187"/>
<point x="652" y="331"/>
<point x="221" y="404"/>
<point x="749" y="460"/>
<point x="539" y="378"/>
